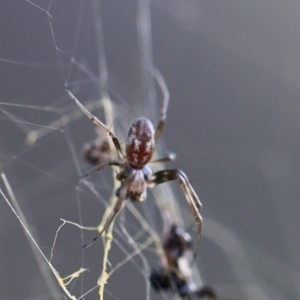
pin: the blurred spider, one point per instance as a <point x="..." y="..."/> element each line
<point x="171" y="278"/>
<point x="136" y="175"/>
<point x="176" y="244"/>
<point x="97" y="151"/>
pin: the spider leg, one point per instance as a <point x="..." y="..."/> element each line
<point x="102" y="166"/>
<point x="117" y="208"/>
<point x="166" y="96"/>
<point x="168" y="158"/>
<point x="191" y="196"/>
<point x="97" y="122"/>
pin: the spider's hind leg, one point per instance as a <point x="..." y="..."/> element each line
<point x="116" y="210"/>
<point x="190" y="195"/>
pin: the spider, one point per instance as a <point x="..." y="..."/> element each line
<point x="177" y="243"/>
<point x="97" y="151"/>
<point x="171" y="278"/>
<point x="135" y="175"/>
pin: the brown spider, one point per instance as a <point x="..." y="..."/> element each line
<point x="136" y="175"/>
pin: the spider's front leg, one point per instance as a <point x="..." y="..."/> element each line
<point x="97" y="122"/>
<point x="190" y="195"/>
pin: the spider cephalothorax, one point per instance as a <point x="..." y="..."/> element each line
<point x="136" y="181"/>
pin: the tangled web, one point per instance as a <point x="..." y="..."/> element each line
<point x="102" y="53"/>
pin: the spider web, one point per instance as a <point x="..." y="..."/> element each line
<point x="102" y="53"/>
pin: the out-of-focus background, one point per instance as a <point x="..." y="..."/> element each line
<point x="233" y="70"/>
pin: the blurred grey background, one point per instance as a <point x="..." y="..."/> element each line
<point x="232" y="68"/>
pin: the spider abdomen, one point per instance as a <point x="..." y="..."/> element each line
<point x="140" y="143"/>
